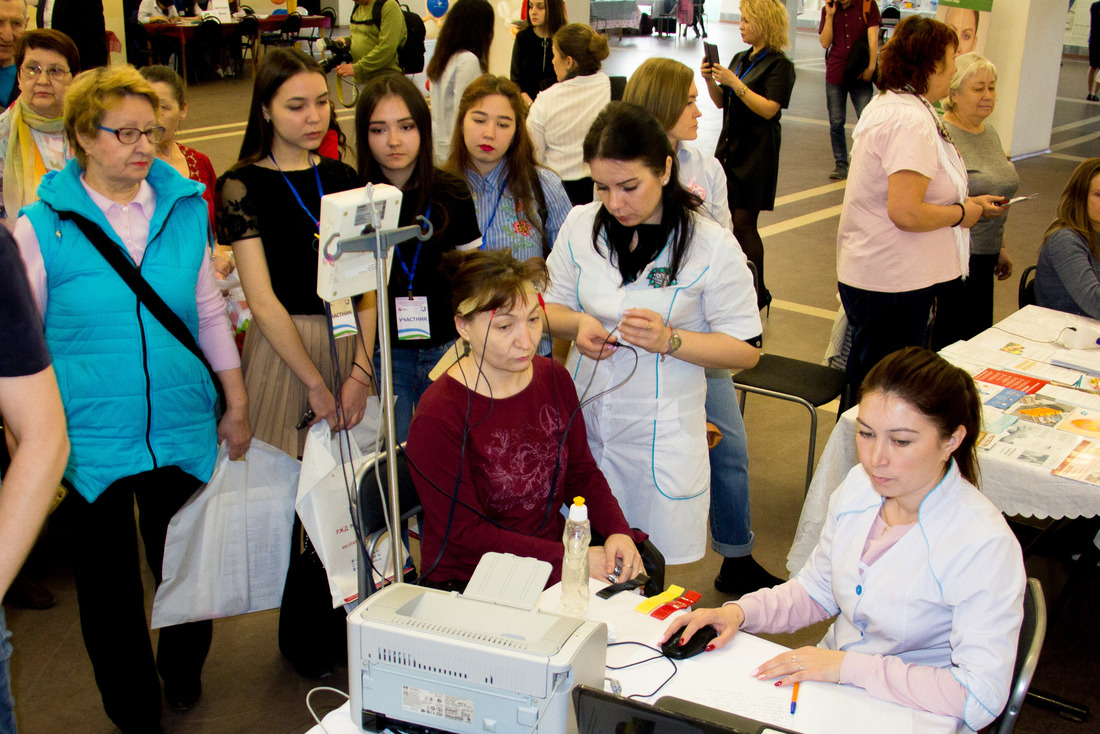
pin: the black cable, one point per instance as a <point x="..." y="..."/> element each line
<point x="658" y="656"/>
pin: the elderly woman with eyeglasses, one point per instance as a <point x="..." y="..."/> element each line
<point x="138" y="401"/>
<point x="905" y="224"/>
<point x="31" y="139"/>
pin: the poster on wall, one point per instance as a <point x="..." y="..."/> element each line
<point x="970" y="19"/>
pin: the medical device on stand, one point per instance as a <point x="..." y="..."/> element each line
<point x="358" y="230"/>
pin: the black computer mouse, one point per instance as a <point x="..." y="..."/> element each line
<point x="698" y="642"/>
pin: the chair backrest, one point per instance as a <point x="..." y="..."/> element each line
<point x="292" y="26"/>
<point x="618" y="88"/>
<point x="1032" y="632"/>
<point x="1026" y="296"/>
<point x="373" y="504"/>
<point x="248" y="28"/>
<point x="331" y="15"/>
<point x="247" y="10"/>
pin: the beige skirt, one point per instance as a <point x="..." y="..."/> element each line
<point x="276" y="397"/>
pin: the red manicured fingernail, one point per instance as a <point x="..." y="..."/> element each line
<point x="710" y="647"/>
<point x="682" y="641"/>
<point x="778" y="683"/>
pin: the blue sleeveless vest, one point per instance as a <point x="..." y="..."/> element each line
<point x="135" y="398"/>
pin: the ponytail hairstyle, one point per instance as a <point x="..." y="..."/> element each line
<point x="522" y="171"/>
<point x="938" y="390"/>
<point x="626" y="132"/>
<point x="582" y="44"/>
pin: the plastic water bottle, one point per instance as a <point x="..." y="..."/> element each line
<point x="574" y="567"/>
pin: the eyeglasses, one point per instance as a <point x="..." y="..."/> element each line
<point x="55" y="73"/>
<point x="130" y="135"/>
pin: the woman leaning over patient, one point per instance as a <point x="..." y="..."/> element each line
<point x="651" y="293"/>
<point x="497" y="445"/>
<point x="926" y="576"/>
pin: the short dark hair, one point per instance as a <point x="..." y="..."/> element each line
<point x="938" y="390"/>
<point x="487" y="280"/>
<point x="626" y="132"/>
<point x="49" y="40"/>
<point x="911" y="55"/>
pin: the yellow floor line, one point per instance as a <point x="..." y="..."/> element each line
<point x="1072" y="125"/>
<point x="810" y="193"/>
<point x="189" y="136"/>
<point x="821" y="313"/>
<point x="1075" y="141"/>
<point x="802" y="221"/>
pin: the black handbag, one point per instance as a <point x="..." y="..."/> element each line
<point x="859" y="55"/>
<point x="145" y="293"/>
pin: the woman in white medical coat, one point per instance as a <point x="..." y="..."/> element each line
<point x="651" y="293"/>
<point x="924" y="573"/>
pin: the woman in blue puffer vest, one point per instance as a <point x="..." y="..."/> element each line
<point x="139" y="404"/>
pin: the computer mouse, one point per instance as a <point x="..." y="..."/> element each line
<point x="698" y="642"/>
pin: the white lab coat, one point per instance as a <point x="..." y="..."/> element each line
<point x="649" y="436"/>
<point x="949" y="594"/>
<point x="703" y="175"/>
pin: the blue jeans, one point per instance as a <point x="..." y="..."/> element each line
<point x="730" y="534"/>
<point x="410" y="380"/>
<point x="836" y="99"/>
<point x="7" y="703"/>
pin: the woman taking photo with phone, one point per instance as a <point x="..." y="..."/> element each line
<point x="393" y="133"/>
<point x="651" y="293"/>
<point x="923" y="571"/>
<point x="269" y="203"/>
<point x="752" y="92"/>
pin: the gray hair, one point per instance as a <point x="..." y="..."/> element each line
<point x="967" y="66"/>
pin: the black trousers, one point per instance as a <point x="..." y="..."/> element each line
<point x="104" y="550"/>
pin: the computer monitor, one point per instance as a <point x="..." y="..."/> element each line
<point x="600" y="712"/>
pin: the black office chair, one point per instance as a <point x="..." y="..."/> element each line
<point x="1032" y="633"/>
<point x="1026" y="296"/>
<point x="316" y="32"/>
<point x="373" y="510"/>
<point x="139" y="47"/>
<point x="891" y="16"/>
<point x="809" y="384"/>
<point x="288" y="32"/>
<point x="209" y="48"/>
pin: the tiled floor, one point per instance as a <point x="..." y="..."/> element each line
<point x="247" y="685"/>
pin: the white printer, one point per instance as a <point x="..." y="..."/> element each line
<point x="482" y="661"/>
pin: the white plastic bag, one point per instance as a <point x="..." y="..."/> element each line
<point x="227" y="549"/>
<point x="322" y="503"/>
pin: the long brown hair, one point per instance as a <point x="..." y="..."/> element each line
<point x="468" y="26"/>
<point x="1073" y="206"/>
<point x="522" y="170"/>
<point x="938" y="390"/>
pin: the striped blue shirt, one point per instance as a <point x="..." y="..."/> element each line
<point x="503" y="224"/>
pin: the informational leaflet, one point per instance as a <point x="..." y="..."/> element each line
<point x="1082" y="464"/>
<point x="1030" y="443"/>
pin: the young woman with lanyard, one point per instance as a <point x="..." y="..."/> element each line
<point x="269" y="203"/>
<point x="393" y="132"/>
<point x="752" y="91"/>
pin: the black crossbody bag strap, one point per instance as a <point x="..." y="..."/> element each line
<point x="144" y="292"/>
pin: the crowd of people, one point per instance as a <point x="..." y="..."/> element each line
<point x="591" y="279"/>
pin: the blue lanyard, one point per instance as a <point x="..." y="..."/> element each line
<point x="410" y="275"/>
<point x="297" y="197"/>
<point x="742" y="74"/>
<point x="500" y="195"/>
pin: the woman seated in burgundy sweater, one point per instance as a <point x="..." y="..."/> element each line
<point x="497" y="443"/>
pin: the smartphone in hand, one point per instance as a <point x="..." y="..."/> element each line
<point x="710" y="53"/>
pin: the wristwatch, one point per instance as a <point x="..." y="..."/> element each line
<point x="674" y="342"/>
